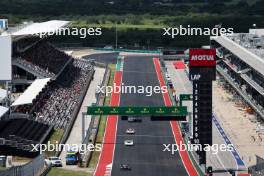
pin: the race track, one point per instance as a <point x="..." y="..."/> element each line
<point x="146" y="157"/>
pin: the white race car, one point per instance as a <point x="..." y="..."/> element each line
<point x="130" y="131"/>
<point x="129" y="142"/>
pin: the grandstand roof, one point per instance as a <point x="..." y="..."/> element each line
<point x="258" y="32"/>
<point x="31" y="92"/>
<point x="248" y="57"/>
<point x="3" y="110"/>
<point x="44" y="27"/>
<point x="3" y="94"/>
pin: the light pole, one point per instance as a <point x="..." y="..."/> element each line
<point x="116" y="38"/>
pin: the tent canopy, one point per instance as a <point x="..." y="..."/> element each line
<point x="31" y="92"/>
<point x="44" y="27"/>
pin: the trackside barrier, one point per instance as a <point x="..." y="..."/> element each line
<point x="198" y="168"/>
<point x="175" y="57"/>
<point x="92" y="131"/>
<point x="100" y="64"/>
<point x="128" y="50"/>
<point x="166" y="81"/>
<point x="33" y="168"/>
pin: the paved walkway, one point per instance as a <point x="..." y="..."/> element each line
<point x="239" y="125"/>
<point x="80" y="52"/>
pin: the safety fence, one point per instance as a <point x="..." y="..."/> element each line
<point x="33" y="168"/>
<point x="91" y="133"/>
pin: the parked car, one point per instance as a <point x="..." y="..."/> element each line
<point x="72" y="157"/>
<point x="130" y="131"/>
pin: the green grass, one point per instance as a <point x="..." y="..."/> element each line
<point x="142" y="23"/>
<point x="21" y="159"/>
<point x="55" y="137"/>
<point x="127" y="26"/>
<point x="2" y="168"/>
<point x="100" y="134"/>
<point x="63" y="172"/>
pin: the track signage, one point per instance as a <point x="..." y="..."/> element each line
<point x="138" y="111"/>
<point x="202" y="73"/>
<point x="185" y="97"/>
<point x="202" y="57"/>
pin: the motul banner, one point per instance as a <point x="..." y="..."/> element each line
<point x="202" y="57"/>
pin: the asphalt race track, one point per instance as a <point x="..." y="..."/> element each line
<point x="146" y="157"/>
<point x="108" y="58"/>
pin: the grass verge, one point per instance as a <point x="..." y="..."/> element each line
<point x="55" y="137"/>
<point x="63" y="172"/>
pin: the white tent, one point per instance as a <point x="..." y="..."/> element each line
<point x="44" y="27"/>
<point x="31" y="92"/>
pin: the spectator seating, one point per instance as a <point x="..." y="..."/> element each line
<point x="55" y="105"/>
<point x="43" y="56"/>
<point x="20" y="133"/>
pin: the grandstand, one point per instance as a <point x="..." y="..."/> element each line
<point x="17" y="135"/>
<point x="41" y="59"/>
<point x="56" y="102"/>
<point x="52" y="84"/>
<point x="241" y="63"/>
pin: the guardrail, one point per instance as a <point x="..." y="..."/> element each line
<point x="163" y="68"/>
<point x="33" y="168"/>
<point x="100" y="64"/>
<point x="174" y="57"/>
<point x="93" y="128"/>
<point x="128" y="50"/>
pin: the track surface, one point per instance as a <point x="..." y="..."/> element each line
<point x="106" y="155"/>
<point x="146" y="157"/>
<point x="108" y="58"/>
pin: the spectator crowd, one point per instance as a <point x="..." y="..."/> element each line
<point x="56" y="104"/>
<point x="45" y="58"/>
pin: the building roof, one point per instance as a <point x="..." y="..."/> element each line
<point x="31" y="92"/>
<point x="43" y="27"/>
<point x="248" y="57"/>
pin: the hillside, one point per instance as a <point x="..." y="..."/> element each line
<point x="120" y="7"/>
